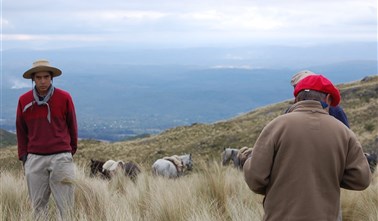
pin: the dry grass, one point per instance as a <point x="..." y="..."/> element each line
<point x="361" y="205"/>
<point x="216" y="193"/>
<point x="213" y="193"/>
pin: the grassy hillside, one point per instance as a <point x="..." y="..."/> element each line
<point x="206" y="141"/>
<point x="7" y="138"/>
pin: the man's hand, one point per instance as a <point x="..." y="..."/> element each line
<point x="24" y="158"/>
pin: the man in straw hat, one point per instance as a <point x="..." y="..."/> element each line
<point x="47" y="139"/>
<point x="336" y="111"/>
<point x="301" y="159"/>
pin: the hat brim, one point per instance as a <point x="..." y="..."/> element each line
<point x="54" y="71"/>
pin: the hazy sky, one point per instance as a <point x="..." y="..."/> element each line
<point x="44" y="24"/>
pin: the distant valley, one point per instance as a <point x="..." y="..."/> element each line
<point x="118" y="100"/>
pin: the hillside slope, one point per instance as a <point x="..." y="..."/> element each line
<point x="206" y="141"/>
<point x="7" y="138"/>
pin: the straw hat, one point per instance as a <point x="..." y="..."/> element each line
<point x="299" y="76"/>
<point x="42" y="65"/>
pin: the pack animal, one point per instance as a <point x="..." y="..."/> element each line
<point x="96" y="168"/>
<point x="173" y="166"/>
<point x="230" y="154"/>
<point x="238" y="157"/>
<point x="106" y="169"/>
<point x="243" y="155"/>
<point x="372" y="160"/>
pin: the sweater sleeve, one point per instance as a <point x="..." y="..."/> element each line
<point x="21" y="129"/>
<point x="357" y="174"/>
<point x="257" y="167"/>
<point x="72" y="125"/>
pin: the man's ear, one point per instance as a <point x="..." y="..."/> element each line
<point x="296" y="99"/>
<point x="328" y="99"/>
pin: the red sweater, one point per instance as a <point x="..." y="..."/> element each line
<point x="34" y="132"/>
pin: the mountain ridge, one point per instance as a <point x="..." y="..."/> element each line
<point x="206" y="141"/>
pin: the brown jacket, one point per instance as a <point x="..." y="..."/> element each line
<point x="300" y="161"/>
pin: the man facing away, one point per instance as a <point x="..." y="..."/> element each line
<point x="336" y="111"/>
<point x="302" y="158"/>
<point x="47" y="139"/>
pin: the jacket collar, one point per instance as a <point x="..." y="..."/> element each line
<point x="308" y="105"/>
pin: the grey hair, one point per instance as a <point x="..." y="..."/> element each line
<point x="311" y="95"/>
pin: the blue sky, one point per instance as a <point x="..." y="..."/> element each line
<point x="42" y="24"/>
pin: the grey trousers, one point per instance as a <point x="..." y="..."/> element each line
<point x="46" y="174"/>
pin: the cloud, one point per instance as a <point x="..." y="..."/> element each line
<point x="18" y="84"/>
<point x="116" y="18"/>
<point x="245" y="19"/>
<point x="4" y="22"/>
<point x="56" y="37"/>
<point x="188" y="22"/>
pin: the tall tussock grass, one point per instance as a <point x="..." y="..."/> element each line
<point x="211" y="192"/>
<point x="361" y="205"/>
